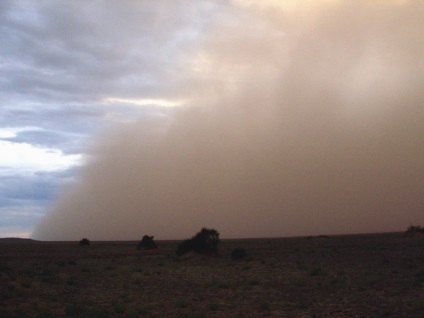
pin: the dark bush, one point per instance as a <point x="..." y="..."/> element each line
<point x="147" y="243"/>
<point x="238" y="253"/>
<point x="415" y="229"/>
<point x="84" y="242"/>
<point x="204" y="242"/>
<point x="185" y="247"/>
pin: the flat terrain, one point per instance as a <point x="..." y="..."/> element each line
<point x="338" y="276"/>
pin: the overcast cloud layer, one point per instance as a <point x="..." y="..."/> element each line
<point x="297" y="118"/>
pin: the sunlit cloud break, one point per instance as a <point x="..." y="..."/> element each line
<point x="145" y="101"/>
<point x="25" y="157"/>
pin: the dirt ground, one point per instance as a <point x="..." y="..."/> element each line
<point x="379" y="275"/>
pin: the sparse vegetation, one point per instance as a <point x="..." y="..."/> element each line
<point x="238" y="253"/>
<point x="181" y="303"/>
<point x="82" y="310"/>
<point x="264" y="306"/>
<point x="369" y="276"/>
<point x="214" y="306"/>
<point x="316" y="270"/>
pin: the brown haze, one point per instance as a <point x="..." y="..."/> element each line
<point x="301" y="121"/>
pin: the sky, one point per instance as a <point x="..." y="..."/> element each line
<point x="257" y="118"/>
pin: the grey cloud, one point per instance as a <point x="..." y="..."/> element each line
<point x="67" y="127"/>
<point x="34" y="187"/>
<point x="84" y="50"/>
<point x="24" y="199"/>
<point x="64" y="129"/>
<point x="19" y="220"/>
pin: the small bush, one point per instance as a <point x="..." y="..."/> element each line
<point x="81" y="310"/>
<point x="264" y="306"/>
<point x="181" y="303"/>
<point x="316" y="270"/>
<point x="74" y="310"/>
<point x="204" y="242"/>
<point x="220" y="284"/>
<point x="419" y="277"/>
<point x="119" y="307"/>
<point x="5" y="267"/>
<point x="84" y="242"/>
<point x="253" y="282"/>
<point x="45" y="313"/>
<point x="415" y="229"/>
<point x="147" y="243"/>
<point x="238" y="253"/>
<point x="214" y="306"/>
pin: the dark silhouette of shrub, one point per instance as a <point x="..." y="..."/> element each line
<point x="84" y="242"/>
<point x="147" y="243"/>
<point x="185" y="247"/>
<point x="204" y="242"/>
<point x="238" y="253"/>
<point x="415" y="229"/>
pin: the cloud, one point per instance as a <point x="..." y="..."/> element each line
<point x="31" y="171"/>
<point x="11" y="132"/>
<point x="24" y="199"/>
<point x="18" y="220"/>
<point x="301" y="122"/>
<point x="81" y="51"/>
<point x="144" y="102"/>
<point x="29" y="158"/>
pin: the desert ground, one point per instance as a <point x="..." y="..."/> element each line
<point x="376" y="275"/>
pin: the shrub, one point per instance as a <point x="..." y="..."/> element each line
<point x="415" y="229"/>
<point x="238" y="253"/>
<point x="5" y="267"/>
<point x="204" y="242"/>
<point x="213" y="306"/>
<point x="181" y="303"/>
<point x="81" y="310"/>
<point x="84" y="242"/>
<point x="185" y="247"/>
<point x="264" y="306"/>
<point x="147" y="243"/>
<point x="315" y="270"/>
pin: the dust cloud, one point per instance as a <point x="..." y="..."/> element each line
<point x="300" y="120"/>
